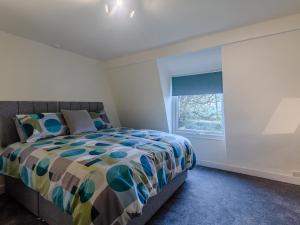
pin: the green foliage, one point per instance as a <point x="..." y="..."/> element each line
<point x="201" y="112"/>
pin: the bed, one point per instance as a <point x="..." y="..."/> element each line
<point x="113" y="176"/>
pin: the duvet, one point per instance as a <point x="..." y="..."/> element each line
<point x="100" y="178"/>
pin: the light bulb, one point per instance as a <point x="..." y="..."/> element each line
<point x="131" y="14"/>
<point x="119" y="6"/>
<point x="119" y="3"/>
<point x="106" y="9"/>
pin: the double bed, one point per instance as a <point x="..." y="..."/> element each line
<point x="114" y="176"/>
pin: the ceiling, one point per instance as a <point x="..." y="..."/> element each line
<point x="204" y="61"/>
<point x="82" y="26"/>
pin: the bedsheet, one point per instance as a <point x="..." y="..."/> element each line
<point x="104" y="177"/>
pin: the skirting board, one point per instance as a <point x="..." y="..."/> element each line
<point x="252" y="172"/>
<point x="2" y="189"/>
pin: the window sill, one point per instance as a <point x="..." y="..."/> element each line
<point x="199" y="135"/>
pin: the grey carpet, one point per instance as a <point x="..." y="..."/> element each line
<point x="209" y="197"/>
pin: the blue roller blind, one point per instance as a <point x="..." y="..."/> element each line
<point x="208" y="83"/>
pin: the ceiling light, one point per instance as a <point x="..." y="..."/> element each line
<point x="119" y="6"/>
<point x="119" y="3"/>
<point x="131" y="14"/>
<point x="106" y="9"/>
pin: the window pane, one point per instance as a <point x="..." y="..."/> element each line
<point x="201" y="113"/>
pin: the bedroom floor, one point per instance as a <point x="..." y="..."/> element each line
<point x="209" y="197"/>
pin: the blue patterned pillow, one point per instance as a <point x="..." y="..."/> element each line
<point x="41" y="125"/>
<point x="100" y="120"/>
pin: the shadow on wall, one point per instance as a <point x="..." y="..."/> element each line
<point x="285" y="119"/>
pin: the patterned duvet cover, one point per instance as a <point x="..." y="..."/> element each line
<point x="100" y="178"/>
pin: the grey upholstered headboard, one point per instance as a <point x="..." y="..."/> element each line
<point x="8" y="132"/>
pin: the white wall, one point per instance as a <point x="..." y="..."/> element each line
<point x="138" y="96"/>
<point x="262" y="107"/>
<point x="260" y="69"/>
<point x="165" y="83"/>
<point x="33" y="71"/>
<point x="204" y="61"/>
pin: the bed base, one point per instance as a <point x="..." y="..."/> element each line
<point x="47" y="211"/>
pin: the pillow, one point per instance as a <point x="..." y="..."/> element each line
<point x="33" y="127"/>
<point x="79" y="121"/>
<point x="21" y="132"/>
<point x="100" y="120"/>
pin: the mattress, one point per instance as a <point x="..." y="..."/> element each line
<point x="104" y="177"/>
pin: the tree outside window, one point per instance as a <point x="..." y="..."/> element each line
<point x="203" y="113"/>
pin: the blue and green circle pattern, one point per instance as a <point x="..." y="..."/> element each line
<point x="58" y="197"/>
<point x="42" y="167"/>
<point x="143" y="193"/>
<point x="146" y="165"/>
<point x="86" y="190"/>
<point x="118" y="155"/>
<point x="73" y="152"/>
<point x="120" y="178"/>
<point x="53" y="125"/>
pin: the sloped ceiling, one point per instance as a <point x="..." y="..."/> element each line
<point x="204" y="61"/>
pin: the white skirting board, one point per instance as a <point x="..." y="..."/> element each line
<point x="2" y="189"/>
<point x="252" y="172"/>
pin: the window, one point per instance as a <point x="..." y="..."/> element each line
<point x="199" y="113"/>
<point x="198" y="104"/>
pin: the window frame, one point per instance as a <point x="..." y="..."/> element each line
<point x="194" y="133"/>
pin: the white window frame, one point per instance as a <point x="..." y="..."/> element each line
<point x="194" y="133"/>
